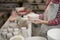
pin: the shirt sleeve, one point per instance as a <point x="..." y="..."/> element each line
<point x="56" y="21"/>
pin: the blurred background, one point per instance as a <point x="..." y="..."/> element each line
<point x="6" y="7"/>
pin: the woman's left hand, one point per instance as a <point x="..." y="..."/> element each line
<point x="39" y="21"/>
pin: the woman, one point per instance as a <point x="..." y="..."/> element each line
<point x="51" y="17"/>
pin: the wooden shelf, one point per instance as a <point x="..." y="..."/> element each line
<point x="37" y="3"/>
<point x="9" y="1"/>
<point x="8" y="6"/>
<point x="36" y="6"/>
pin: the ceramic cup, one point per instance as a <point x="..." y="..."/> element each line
<point x="25" y="32"/>
<point x="16" y="33"/>
<point x="4" y="30"/>
<point x="9" y="35"/>
<point x="16" y="29"/>
<point x="4" y="34"/>
<point x="33" y="16"/>
<point x="10" y="29"/>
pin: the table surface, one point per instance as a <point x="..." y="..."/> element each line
<point x="5" y="25"/>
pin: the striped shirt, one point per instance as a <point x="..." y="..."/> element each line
<point x="55" y="21"/>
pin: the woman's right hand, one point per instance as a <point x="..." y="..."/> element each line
<point x="38" y="21"/>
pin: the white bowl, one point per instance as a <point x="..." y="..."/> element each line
<point x="15" y="33"/>
<point x="33" y="16"/>
<point x="16" y="29"/>
<point x="4" y="34"/>
<point x="10" y="29"/>
<point x="35" y="38"/>
<point x="9" y="35"/>
<point x="18" y="37"/>
<point x="4" y="30"/>
<point x="53" y="34"/>
<point x="19" y="8"/>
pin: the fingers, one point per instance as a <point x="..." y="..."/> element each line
<point x="35" y="22"/>
<point x="38" y="21"/>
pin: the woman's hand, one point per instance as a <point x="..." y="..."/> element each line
<point x="39" y="21"/>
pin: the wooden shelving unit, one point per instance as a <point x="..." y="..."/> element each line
<point x="8" y="5"/>
<point x="5" y="9"/>
<point x="9" y="1"/>
<point x="36" y="7"/>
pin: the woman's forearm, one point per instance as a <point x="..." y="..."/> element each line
<point x="44" y="22"/>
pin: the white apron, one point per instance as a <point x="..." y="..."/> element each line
<point x="49" y="14"/>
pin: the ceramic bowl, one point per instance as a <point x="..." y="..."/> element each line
<point x="53" y="34"/>
<point x="18" y="37"/>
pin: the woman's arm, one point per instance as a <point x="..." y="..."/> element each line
<point x="56" y="21"/>
<point x="13" y="13"/>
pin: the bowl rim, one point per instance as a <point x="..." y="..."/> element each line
<point x="17" y="36"/>
<point x="37" y="37"/>
<point x="48" y="32"/>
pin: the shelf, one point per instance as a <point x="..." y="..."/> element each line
<point x="8" y="6"/>
<point x="36" y="7"/>
<point x="9" y="1"/>
<point x="37" y="3"/>
<point x="34" y="3"/>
